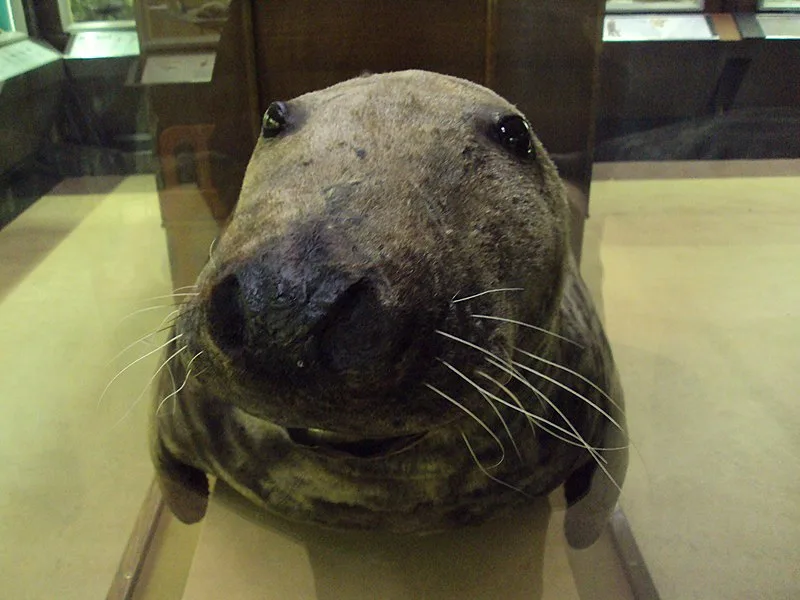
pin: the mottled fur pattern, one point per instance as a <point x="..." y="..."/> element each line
<point x="384" y="261"/>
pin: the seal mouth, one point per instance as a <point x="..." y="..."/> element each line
<point x="330" y="442"/>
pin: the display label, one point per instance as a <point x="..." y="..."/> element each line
<point x="24" y="56"/>
<point x="644" y="28"/>
<point x="178" y="68"/>
<point x="104" y="44"/>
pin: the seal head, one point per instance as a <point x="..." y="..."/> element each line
<point x="391" y="332"/>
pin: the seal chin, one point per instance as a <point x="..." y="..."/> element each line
<point x="336" y="444"/>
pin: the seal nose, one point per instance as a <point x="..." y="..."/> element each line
<point x="360" y="335"/>
<point x="277" y="323"/>
<point x="226" y="318"/>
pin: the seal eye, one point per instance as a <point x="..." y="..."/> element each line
<point x="274" y="120"/>
<point x="514" y="133"/>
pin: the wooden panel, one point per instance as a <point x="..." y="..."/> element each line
<point x="303" y="45"/>
<point x="546" y="63"/>
<point x="545" y="60"/>
<point x="725" y="26"/>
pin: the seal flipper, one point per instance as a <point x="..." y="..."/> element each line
<point x="185" y="488"/>
<point x="590" y="492"/>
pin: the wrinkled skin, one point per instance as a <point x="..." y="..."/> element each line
<point x="333" y="332"/>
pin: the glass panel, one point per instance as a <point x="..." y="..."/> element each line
<point x="82" y="252"/>
<point x="6" y="23"/>
<point x="12" y="20"/>
<point x="697" y="150"/>
<point x="126" y="131"/>
<point x="178" y="24"/>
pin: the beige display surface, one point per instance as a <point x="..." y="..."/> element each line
<point x="244" y="553"/>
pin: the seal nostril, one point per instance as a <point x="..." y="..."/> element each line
<point x="357" y="333"/>
<point x="226" y="319"/>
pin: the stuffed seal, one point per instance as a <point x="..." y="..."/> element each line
<point x="391" y="332"/>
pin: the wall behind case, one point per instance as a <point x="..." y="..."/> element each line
<point x="542" y="56"/>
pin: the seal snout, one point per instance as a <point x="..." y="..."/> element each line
<point x="226" y="317"/>
<point x="361" y="335"/>
<point x="285" y="320"/>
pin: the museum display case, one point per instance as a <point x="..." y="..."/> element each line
<point x="31" y="83"/>
<point x="126" y="128"/>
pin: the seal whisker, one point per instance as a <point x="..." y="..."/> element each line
<point x="504" y="423"/>
<point x="571" y="391"/>
<point x="163" y="364"/>
<point x="529" y="326"/>
<point x="454" y="300"/>
<point x="174" y="388"/>
<point x="158" y="329"/>
<point x="139" y="397"/>
<point x="530" y="415"/>
<point x="486" y="472"/>
<point x="211" y="249"/>
<point x="177" y="390"/>
<point x="173" y="296"/>
<point x="594" y="453"/>
<point x="161" y="329"/>
<point x="475" y="417"/>
<point x="114" y="358"/>
<point x="141" y="358"/>
<point x="547" y="425"/>
<point x="171" y="319"/>
<point x="144" y="310"/>
<point x="571" y="372"/>
<point x="486" y="397"/>
<point x="596" y="456"/>
<point x="511" y="395"/>
<point x="173" y="315"/>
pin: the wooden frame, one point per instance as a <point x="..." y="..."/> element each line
<point x="123" y="585"/>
